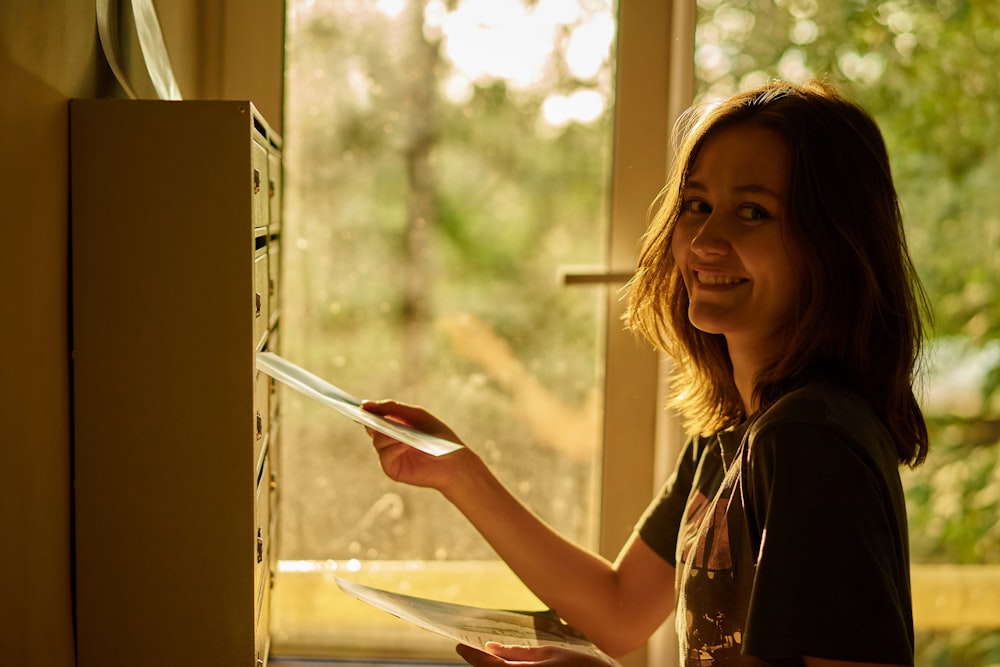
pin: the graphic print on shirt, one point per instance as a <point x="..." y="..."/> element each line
<point x="705" y="542"/>
<point x="711" y="611"/>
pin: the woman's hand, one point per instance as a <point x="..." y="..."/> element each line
<point x="406" y="464"/>
<point x="543" y="656"/>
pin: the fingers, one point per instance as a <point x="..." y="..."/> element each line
<point x="412" y="416"/>
<point x="478" y="658"/>
<point x="395" y="458"/>
<point x="407" y="464"/>
<point x="389" y="408"/>
<point x="381" y="440"/>
<point x="541" y="656"/>
<point x="530" y="654"/>
<point x="503" y="654"/>
<point x="399" y="461"/>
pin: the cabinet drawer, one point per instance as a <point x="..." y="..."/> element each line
<point x="272" y="401"/>
<point x="262" y="638"/>
<point x="259" y="183"/>
<point x="274" y="190"/>
<point x="274" y="277"/>
<point x="261" y="416"/>
<point x="274" y="547"/>
<point x="261" y="321"/>
<point x="262" y="521"/>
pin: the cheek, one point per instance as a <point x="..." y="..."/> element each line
<point x="677" y="251"/>
<point x="795" y="260"/>
<point x="794" y="277"/>
<point x="678" y="246"/>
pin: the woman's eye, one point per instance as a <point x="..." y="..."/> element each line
<point x="752" y="213"/>
<point x="697" y="207"/>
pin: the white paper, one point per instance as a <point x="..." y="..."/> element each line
<point x="151" y="44"/>
<point x="154" y="50"/>
<point x="475" y="626"/>
<point x="107" y="28"/>
<point x="332" y="396"/>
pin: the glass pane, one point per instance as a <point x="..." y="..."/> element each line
<point x="444" y="162"/>
<point x="919" y="67"/>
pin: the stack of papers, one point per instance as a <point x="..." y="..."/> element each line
<point x="474" y="626"/>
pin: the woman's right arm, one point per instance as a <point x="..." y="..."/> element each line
<point x="617" y="605"/>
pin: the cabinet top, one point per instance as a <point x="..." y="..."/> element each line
<point x="137" y="109"/>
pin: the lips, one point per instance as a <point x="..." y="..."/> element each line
<point x="716" y="279"/>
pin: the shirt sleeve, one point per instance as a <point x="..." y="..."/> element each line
<point x="832" y="573"/>
<point x="659" y="525"/>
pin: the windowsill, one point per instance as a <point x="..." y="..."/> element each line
<point x="313" y="618"/>
<point x="948" y="597"/>
<point x="352" y="662"/>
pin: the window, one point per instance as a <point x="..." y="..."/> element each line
<point x="441" y="195"/>
<point x="452" y="220"/>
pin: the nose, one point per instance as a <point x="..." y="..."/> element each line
<point x="710" y="238"/>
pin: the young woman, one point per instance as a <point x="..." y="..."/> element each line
<point x="776" y="276"/>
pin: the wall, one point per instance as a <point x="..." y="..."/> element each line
<point x="49" y="53"/>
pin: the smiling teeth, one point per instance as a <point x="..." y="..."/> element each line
<point x="717" y="279"/>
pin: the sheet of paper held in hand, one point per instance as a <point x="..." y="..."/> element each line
<point x="474" y="626"/>
<point x="322" y="391"/>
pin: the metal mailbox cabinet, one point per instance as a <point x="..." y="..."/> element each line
<point x="176" y="232"/>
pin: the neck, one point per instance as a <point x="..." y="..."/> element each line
<point x="747" y="362"/>
<point x="744" y="384"/>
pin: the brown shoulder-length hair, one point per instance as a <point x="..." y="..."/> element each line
<point x="861" y="309"/>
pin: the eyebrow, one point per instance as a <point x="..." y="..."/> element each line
<point x="749" y="188"/>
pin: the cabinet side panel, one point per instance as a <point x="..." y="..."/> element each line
<point x="163" y="382"/>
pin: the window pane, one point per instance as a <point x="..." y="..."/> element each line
<point x="444" y="161"/>
<point x="922" y="69"/>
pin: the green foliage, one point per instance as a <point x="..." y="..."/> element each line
<point x="966" y="647"/>
<point x="954" y="499"/>
<point x="508" y="201"/>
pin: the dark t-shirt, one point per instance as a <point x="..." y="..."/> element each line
<point x="789" y="538"/>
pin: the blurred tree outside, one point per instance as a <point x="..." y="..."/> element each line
<point x="444" y="160"/>
<point x="432" y="196"/>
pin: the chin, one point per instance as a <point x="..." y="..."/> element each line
<point x="708" y="327"/>
<point x="706" y="323"/>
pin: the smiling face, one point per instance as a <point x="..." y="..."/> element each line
<point x="730" y="240"/>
